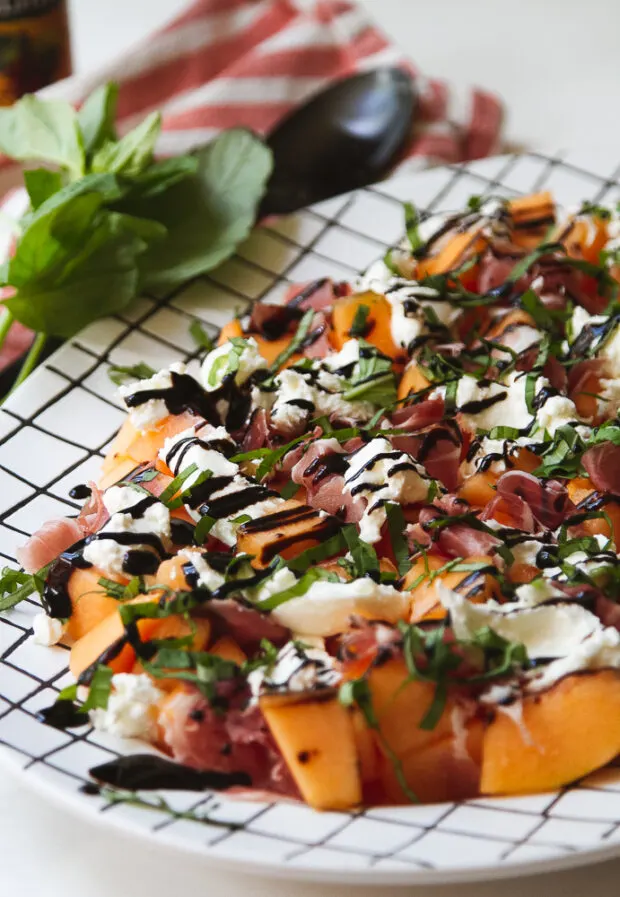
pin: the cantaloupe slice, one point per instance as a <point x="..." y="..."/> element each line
<point x="94" y="643"/>
<point x="378" y="323"/>
<point x="444" y="771"/>
<point x="317" y="740"/>
<point x="228" y="649"/>
<point x="90" y="604"/>
<point x="368" y="753"/>
<point x="304" y="528"/>
<point x="400" y="706"/>
<point x="425" y="602"/>
<point x="578" y="490"/>
<point x="479" y="488"/>
<point x="452" y="254"/>
<point x="557" y="737"/>
<point x="412" y="381"/>
<point x="143" y="447"/>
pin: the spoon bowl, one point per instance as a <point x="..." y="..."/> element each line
<point x="344" y="137"/>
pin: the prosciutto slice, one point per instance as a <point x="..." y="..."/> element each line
<point x="602" y="463"/>
<point x="60" y="533"/>
<point x="320" y="470"/>
<point x="547" y="499"/>
<point x="205" y="738"/>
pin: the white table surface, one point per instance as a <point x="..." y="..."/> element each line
<point x="557" y="65"/>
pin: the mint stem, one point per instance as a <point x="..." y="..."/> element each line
<point x="30" y="361"/>
<point x="5" y="325"/>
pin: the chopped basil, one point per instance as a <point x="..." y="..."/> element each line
<point x="173" y="487"/>
<point x="224" y="365"/>
<point x="16" y="586"/>
<point x="359" y="327"/>
<point x="122" y="591"/>
<point x="203" y="528"/>
<point x="301" y="333"/>
<point x="120" y="374"/>
<point x="412" y="227"/>
<point x="373" y="378"/>
<point x="200" y="668"/>
<point x="365" y="560"/>
<point x="160" y="804"/>
<point x="289" y="490"/>
<point x="314" y="574"/>
<point x="200" y="336"/>
<point x="396" y="527"/>
<point x="356" y="692"/>
<point x="528" y="261"/>
<point x="321" y="552"/>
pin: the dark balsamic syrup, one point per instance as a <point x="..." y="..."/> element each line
<point x="139" y="772"/>
<point x="80" y="492"/>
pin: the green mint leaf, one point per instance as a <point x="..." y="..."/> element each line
<point x="160" y="176"/>
<point x="98" y="278"/>
<point x="43" y="131"/>
<point x="41" y="183"/>
<point x="120" y="374"/>
<point x="133" y="153"/>
<point x="97" y="116"/>
<point x="208" y="214"/>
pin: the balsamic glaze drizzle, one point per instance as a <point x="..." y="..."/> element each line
<point x="138" y="772"/>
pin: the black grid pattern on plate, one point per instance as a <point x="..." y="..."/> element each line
<point x="485" y="832"/>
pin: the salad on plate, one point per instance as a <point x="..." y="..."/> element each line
<point x="367" y="552"/>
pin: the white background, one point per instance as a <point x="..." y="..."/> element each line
<point x="557" y="65"/>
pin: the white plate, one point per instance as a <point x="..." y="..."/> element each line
<point x="53" y="433"/>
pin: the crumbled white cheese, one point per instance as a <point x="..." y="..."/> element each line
<point x="510" y="404"/>
<point x="149" y="414"/>
<point x="280" y="581"/>
<point x="348" y="355"/>
<point x="546" y="630"/>
<point x="187" y="448"/>
<point x="207" y="576"/>
<point x="526" y="552"/>
<point x="538" y="591"/>
<point x="47" y="630"/>
<point x="378" y="480"/>
<point x="108" y="554"/>
<point x="556" y="412"/>
<point x="600" y="650"/>
<point x="567" y="634"/>
<point x="217" y="364"/>
<point x="132" y="708"/>
<point x="296" y="669"/>
<point x="292" y="387"/>
<point x="327" y="607"/>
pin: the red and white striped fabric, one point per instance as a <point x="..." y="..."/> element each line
<point x="249" y="62"/>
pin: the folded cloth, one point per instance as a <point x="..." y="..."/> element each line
<point x="249" y="62"/>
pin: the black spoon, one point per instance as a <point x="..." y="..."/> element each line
<point x="344" y="137"/>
